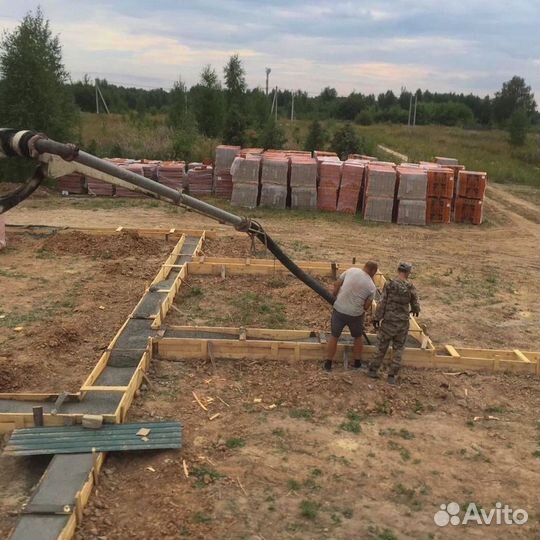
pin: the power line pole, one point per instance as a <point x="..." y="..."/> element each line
<point x="410" y="110"/>
<point x="415" y="101"/>
<point x="97" y="96"/>
<point x="275" y="108"/>
<point x="268" y="70"/>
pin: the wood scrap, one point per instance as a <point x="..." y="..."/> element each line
<point x="214" y="416"/>
<point x="223" y="401"/>
<point x="186" y="471"/>
<point x="241" y="487"/>
<point x="199" y="401"/>
<point x="143" y="432"/>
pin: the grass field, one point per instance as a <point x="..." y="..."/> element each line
<point x="485" y="150"/>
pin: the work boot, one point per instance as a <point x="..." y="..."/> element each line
<point x="327" y="366"/>
<point x="357" y="364"/>
<point x="373" y="373"/>
<point x="392" y="379"/>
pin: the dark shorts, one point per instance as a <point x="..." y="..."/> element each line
<point x="340" y="321"/>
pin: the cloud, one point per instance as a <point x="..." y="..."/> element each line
<point x="368" y="45"/>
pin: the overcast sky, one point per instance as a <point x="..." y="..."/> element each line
<point x="368" y="46"/>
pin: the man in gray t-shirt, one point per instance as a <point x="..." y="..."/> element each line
<point x="354" y="291"/>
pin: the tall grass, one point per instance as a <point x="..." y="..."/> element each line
<point x="486" y="150"/>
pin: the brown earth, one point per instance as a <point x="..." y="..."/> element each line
<point x="301" y="455"/>
<point x="64" y="297"/>
<point x="418" y="446"/>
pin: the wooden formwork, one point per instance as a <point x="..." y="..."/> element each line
<point x="240" y="343"/>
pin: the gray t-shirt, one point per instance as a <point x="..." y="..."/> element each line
<point x="357" y="287"/>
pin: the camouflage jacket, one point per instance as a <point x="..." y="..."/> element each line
<point x="398" y="299"/>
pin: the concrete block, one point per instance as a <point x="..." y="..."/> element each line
<point x="304" y="198"/>
<point x="275" y="171"/>
<point x="273" y="196"/>
<point x="412" y="183"/>
<point x="379" y="209"/>
<point x="245" y="195"/>
<point x="304" y="173"/>
<point x="411" y="212"/>
<point x="246" y="170"/>
<point x="381" y="181"/>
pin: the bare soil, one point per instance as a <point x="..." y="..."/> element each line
<point x="298" y="454"/>
<point x="337" y="457"/>
<point x="64" y="297"/>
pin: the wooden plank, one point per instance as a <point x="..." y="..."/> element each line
<point x="115" y="389"/>
<point x="521" y="356"/>
<point x="452" y="351"/>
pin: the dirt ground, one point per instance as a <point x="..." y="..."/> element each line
<point x="64" y="297"/>
<point x="337" y="457"/>
<point x="301" y="455"/>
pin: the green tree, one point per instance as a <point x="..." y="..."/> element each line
<point x="517" y="127"/>
<point x="34" y="92"/>
<point x="234" y="131"/>
<point x="316" y="138"/>
<point x="272" y="136"/>
<point x="346" y="141"/>
<point x="208" y="103"/>
<point x="235" y="79"/>
<point x="178" y="110"/>
<point x="514" y="95"/>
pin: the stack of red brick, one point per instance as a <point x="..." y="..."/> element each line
<point x="329" y="168"/>
<point x="200" y="180"/>
<point x="172" y="174"/>
<point x="352" y="182"/>
<point x="440" y="192"/>
<point x="223" y="185"/>
<point x="469" y="200"/>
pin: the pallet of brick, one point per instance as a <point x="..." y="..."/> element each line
<point x="471" y="184"/>
<point x="98" y="188"/>
<point x="361" y="157"/>
<point x="275" y="169"/>
<point x="468" y="210"/>
<point x="246" y="170"/>
<point x="172" y="174"/>
<point x="72" y="184"/>
<point x="225" y="155"/>
<point x="150" y="169"/>
<point x="444" y="161"/>
<point x="412" y="183"/>
<point x="303" y="172"/>
<point x="330" y="173"/>
<point x="380" y="181"/>
<point x="128" y="193"/>
<point x="411" y="212"/>
<point x="327" y="198"/>
<point x="223" y="185"/>
<point x="352" y="180"/>
<point x="303" y="198"/>
<point x="378" y="209"/>
<point x="273" y="196"/>
<point x="440" y="182"/>
<point x="245" y="178"/>
<point x="200" y="180"/>
<point x="429" y="165"/>
<point x="245" y="195"/>
<point x="438" y="210"/>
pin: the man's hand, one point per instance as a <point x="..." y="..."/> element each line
<point x="376" y="324"/>
<point x="415" y="313"/>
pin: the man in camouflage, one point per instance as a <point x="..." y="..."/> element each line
<point x="399" y="299"/>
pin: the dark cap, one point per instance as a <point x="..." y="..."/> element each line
<point x="404" y="267"/>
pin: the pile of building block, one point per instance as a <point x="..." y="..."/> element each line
<point x="303" y="182"/>
<point x="172" y="174"/>
<point x="223" y="185"/>
<point x="245" y="171"/>
<point x="200" y="179"/>
<point x="274" y="180"/>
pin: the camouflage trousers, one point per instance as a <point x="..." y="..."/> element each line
<point x="395" y="333"/>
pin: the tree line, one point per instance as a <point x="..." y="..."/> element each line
<point x="36" y="92"/>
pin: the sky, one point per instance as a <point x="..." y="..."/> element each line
<point x="367" y="46"/>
